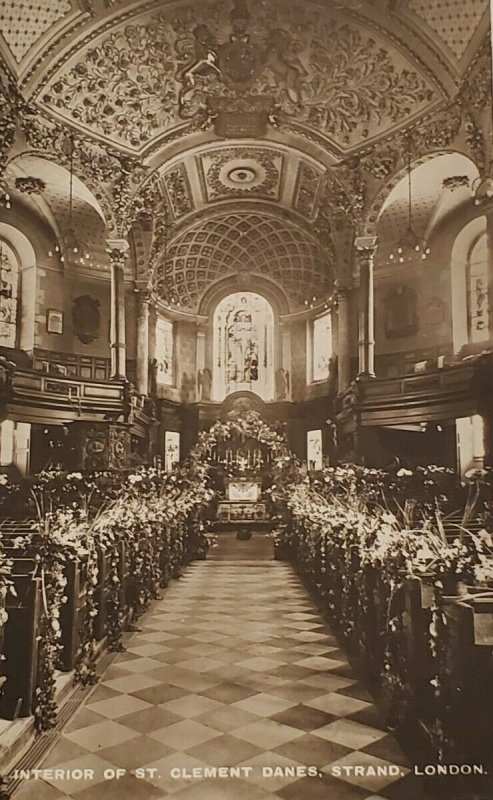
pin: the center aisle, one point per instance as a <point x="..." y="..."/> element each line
<point x="234" y="666"/>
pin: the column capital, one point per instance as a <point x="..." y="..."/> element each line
<point x="144" y="294"/>
<point x="118" y="250"/>
<point x="366" y="245"/>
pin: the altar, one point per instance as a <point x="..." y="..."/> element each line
<point x="240" y="467"/>
<point x="242" y="502"/>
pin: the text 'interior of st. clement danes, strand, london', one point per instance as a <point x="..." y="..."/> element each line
<point x="246" y="400"/>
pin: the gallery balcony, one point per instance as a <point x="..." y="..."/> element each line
<point x="458" y="390"/>
<point x="30" y="396"/>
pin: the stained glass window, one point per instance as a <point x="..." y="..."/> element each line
<point x="243" y="346"/>
<point x="478" y="306"/>
<point x="9" y="279"/>
<point x="164" y="351"/>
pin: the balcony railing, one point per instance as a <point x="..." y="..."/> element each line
<point x="446" y="393"/>
<point x="35" y="396"/>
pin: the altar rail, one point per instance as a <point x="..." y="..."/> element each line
<point x="447" y="393"/>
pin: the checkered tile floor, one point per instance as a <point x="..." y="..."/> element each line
<point x="234" y="666"/>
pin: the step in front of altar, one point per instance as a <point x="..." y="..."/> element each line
<point x="238" y="511"/>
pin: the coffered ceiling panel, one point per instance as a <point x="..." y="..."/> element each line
<point x="248" y="244"/>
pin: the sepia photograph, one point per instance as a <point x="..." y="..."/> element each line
<point x="246" y="400"/>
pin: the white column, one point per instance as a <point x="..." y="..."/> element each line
<point x="365" y="252"/>
<point x="343" y="334"/>
<point x="489" y="245"/>
<point x="118" y="250"/>
<point x="22" y="446"/>
<point x="142" y="370"/>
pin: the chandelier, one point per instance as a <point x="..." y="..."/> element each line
<point x="69" y="246"/>
<point x="409" y="246"/>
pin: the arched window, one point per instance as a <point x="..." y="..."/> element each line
<point x="469" y="280"/>
<point x="477" y="291"/>
<point x="9" y="284"/>
<point x="243" y="346"/>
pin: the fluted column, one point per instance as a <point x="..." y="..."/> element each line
<point x="142" y="370"/>
<point x="117" y="251"/>
<point x="343" y="341"/>
<point x="365" y="253"/>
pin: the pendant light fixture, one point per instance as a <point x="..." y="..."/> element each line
<point x="409" y="246"/>
<point x="70" y="247"/>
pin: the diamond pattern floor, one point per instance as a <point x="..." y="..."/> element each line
<point x="233" y="667"/>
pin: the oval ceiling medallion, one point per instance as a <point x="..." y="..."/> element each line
<point x="242" y="174"/>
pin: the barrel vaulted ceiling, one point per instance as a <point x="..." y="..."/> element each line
<point x="349" y="70"/>
<point x="242" y="107"/>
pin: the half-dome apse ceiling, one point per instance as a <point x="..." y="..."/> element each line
<point x="247" y="244"/>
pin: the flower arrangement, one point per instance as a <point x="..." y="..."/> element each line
<point x="146" y="525"/>
<point x="246" y="425"/>
<point x="358" y="538"/>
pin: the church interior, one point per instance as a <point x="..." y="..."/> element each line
<point x="246" y="382"/>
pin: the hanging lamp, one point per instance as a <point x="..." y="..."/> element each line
<point x="409" y="246"/>
<point x="70" y="247"/>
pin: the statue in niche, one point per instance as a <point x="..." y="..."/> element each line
<point x="86" y="318"/>
<point x="187" y="388"/>
<point x="152" y="373"/>
<point x="401" y="315"/>
<point x="205" y="384"/>
<point x="282" y="384"/>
